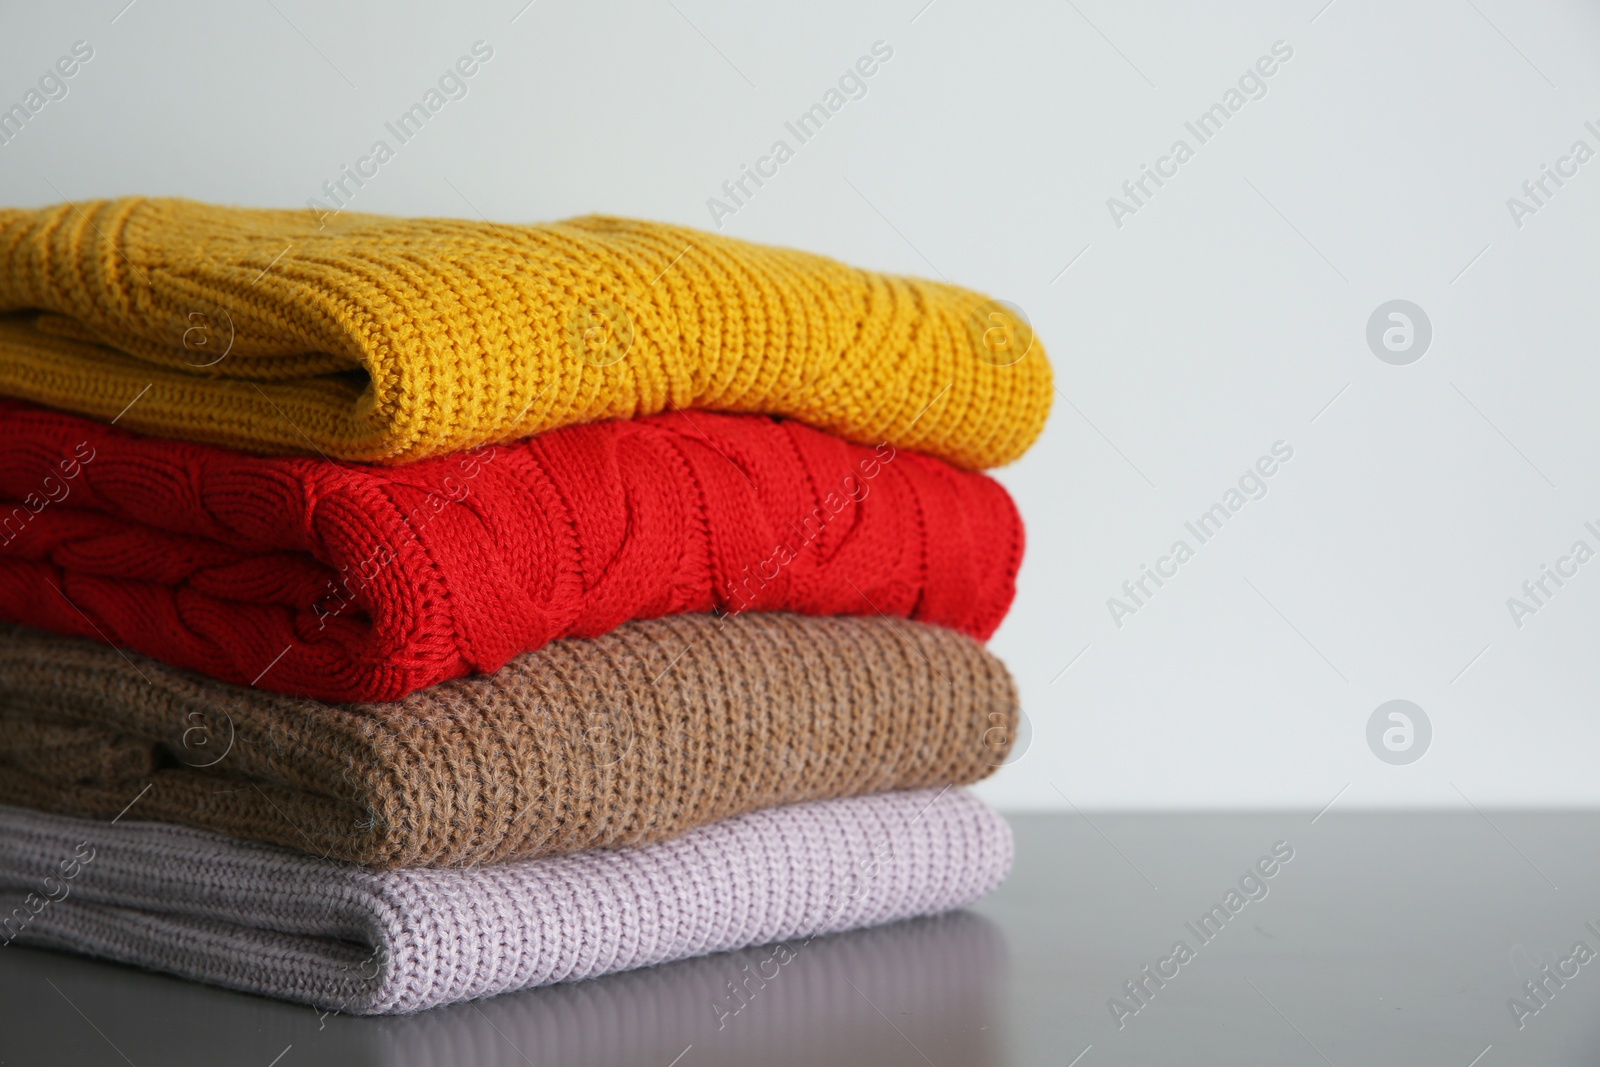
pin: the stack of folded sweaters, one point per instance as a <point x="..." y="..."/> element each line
<point x="407" y="611"/>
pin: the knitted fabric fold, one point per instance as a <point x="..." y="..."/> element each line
<point x="347" y="582"/>
<point x="941" y="978"/>
<point x="265" y="920"/>
<point x="387" y="340"/>
<point x="620" y="740"/>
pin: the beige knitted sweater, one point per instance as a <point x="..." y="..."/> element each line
<point x="634" y="737"/>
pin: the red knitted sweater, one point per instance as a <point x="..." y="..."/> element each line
<point x="346" y="582"/>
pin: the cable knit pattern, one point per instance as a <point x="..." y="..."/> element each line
<point x="347" y="582"/>
<point x="387" y="340"/>
<point x="620" y="740"/>
<point x="279" y="923"/>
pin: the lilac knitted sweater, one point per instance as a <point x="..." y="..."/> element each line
<point x="285" y="924"/>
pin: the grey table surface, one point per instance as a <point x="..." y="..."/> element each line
<point x="1412" y="938"/>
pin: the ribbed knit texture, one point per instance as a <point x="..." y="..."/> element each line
<point x="388" y="340"/>
<point x="347" y="582"/>
<point x="269" y="921"/>
<point x="942" y="979"/>
<point x="620" y="740"/>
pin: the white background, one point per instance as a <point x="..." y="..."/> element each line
<point x="1222" y="317"/>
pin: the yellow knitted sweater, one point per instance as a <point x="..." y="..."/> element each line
<point x="387" y="340"/>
